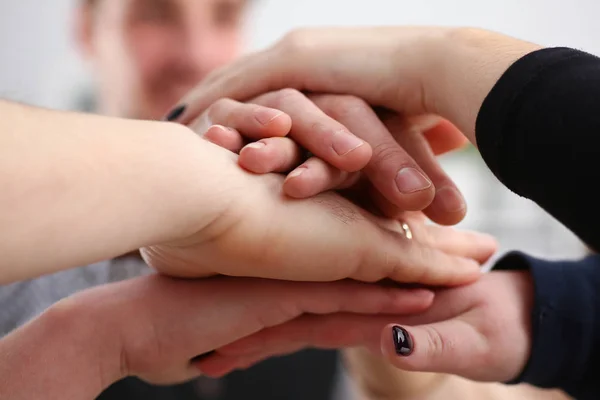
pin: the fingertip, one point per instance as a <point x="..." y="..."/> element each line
<point x="355" y="159"/>
<point x="253" y="158"/>
<point x="295" y="184"/>
<point x="397" y="344"/>
<point x="282" y="124"/>
<point x="222" y="136"/>
<point x="448" y="207"/>
<point x="423" y="299"/>
<point x="444" y="137"/>
<point x="273" y="122"/>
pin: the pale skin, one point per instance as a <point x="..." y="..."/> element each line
<point x="129" y="328"/>
<point x="203" y="225"/>
<point x="106" y="164"/>
<point x="105" y="250"/>
<point x="375" y="377"/>
<point x="413" y="71"/>
<point x="107" y="333"/>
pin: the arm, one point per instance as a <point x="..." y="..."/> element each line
<point x="565" y="324"/>
<point x="537" y="131"/>
<point x="43" y="358"/>
<point x="130" y="329"/>
<point x="77" y="189"/>
<point x="187" y="203"/>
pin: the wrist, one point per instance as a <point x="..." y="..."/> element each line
<point x="188" y="175"/>
<point x="462" y="67"/>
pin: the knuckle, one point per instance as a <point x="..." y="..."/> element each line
<point x="219" y="109"/>
<point x="437" y="345"/>
<point x="280" y="99"/>
<point x="387" y="153"/>
<point x="288" y="95"/>
<point x="296" y="40"/>
<point x="344" y="106"/>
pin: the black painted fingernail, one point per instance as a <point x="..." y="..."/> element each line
<point x="402" y="341"/>
<point x="202" y="356"/>
<point x="175" y="113"/>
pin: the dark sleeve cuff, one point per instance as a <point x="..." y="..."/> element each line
<point x="563" y="322"/>
<point x="501" y="109"/>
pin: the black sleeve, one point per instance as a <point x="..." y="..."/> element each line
<point x="538" y="130"/>
<point x="565" y="319"/>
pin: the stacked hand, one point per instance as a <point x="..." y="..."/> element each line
<point x="464" y="323"/>
<point x="326" y="237"/>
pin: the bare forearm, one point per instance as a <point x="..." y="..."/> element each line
<point x="58" y="357"/>
<point x="81" y="188"/>
<point x="463" y="66"/>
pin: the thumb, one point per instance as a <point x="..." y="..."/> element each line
<point x="452" y="346"/>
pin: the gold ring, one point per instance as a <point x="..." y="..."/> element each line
<point x="407" y="231"/>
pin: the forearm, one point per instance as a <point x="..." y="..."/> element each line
<point x="460" y="68"/>
<point x="81" y="188"/>
<point x="60" y="355"/>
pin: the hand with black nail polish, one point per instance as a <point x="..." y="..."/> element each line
<point x="479" y="331"/>
<point x="160" y="329"/>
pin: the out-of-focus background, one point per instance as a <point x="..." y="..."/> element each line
<point x="39" y="65"/>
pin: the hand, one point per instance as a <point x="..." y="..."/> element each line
<point x="324" y="238"/>
<point x="153" y="327"/>
<point x="403" y="169"/>
<point x="412" y="70"/>
<point x="479" y="331"/>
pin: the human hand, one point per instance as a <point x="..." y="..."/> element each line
<point x="412" y="70"/>
<point x="402" y="173"/>
<point x="263" y="234"/>
<point x="479" y="331"/>
<point x="154" y="327"/>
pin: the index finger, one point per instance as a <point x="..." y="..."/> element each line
<point x="237" y="86"/>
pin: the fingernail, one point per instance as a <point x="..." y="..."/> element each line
<point x="203" y="356"/>
<point x="175" y="113"/>
<point x="450" y="199"/>
<point x="410" y="180"/>
<point x="402" y="341"/>
<point x="256" y="145"/>
<point x="295" y="173"/>
<point x="344" y="142"/>
<point x="266" y="115"/>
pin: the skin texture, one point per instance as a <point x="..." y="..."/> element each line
<point x="463" y="316"/>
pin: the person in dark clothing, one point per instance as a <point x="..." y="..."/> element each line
<point x="531" y="112"/>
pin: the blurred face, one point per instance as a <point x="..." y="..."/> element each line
<point x="146" y="54"/>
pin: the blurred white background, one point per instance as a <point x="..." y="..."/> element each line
<point x="38" y="66"/>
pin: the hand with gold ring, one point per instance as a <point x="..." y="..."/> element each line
<point x="273" y="153"/>
<point x="261" y="153"/>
